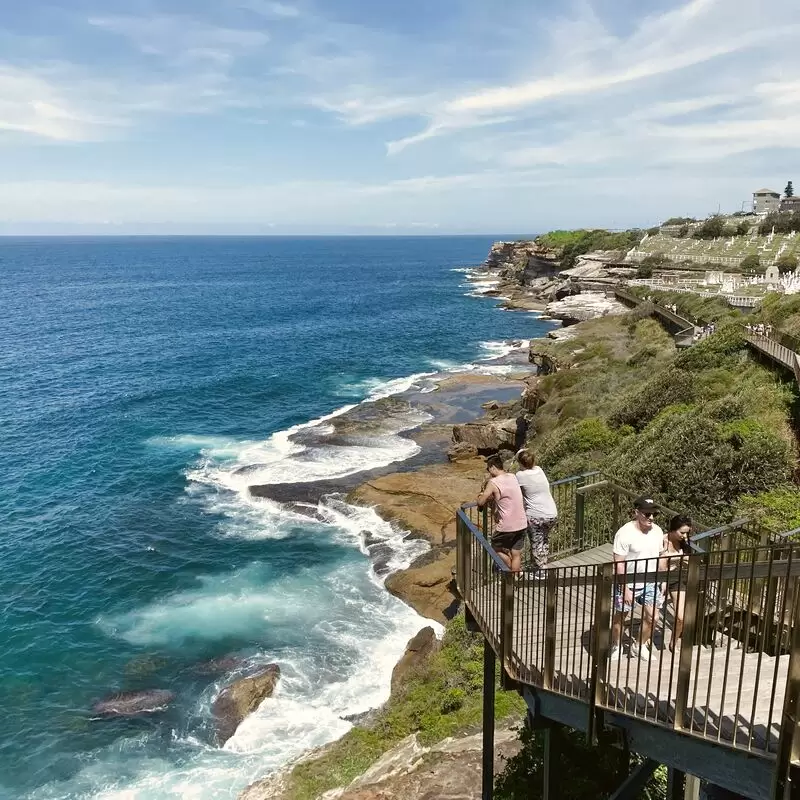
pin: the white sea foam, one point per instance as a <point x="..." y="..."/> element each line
<point x="336" y="634"/>
<point x="495" y="350"/>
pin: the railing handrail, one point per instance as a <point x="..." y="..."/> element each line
<point x="482" y="540"/>
<point x="575" y="478"/>
<point x="720" y="530"/>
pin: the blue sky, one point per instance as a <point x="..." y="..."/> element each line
<point x="434" y="116"/>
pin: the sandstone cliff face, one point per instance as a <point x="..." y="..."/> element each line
<point x="450" y="769"/>
<point x="522" y="261"/>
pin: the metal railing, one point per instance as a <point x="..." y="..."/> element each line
<point x="731" y="675"/>
<point x="678" y="326"/>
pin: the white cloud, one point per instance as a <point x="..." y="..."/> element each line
<point x="174" y="35"/>
<point x="39" y="103"/>
<point x="271" y="9"/>
<point x="696" y="34"/>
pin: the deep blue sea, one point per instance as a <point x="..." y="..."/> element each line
<point x="144" y="384"/>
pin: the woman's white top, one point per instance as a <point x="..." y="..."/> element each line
<point x="539" y="503"/>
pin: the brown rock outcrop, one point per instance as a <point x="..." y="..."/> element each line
<point x="449" y="770"/>
<point x="463" y="451"/>
<point x="487" y="436"/>
<point x="424" y="501"/>
<point x="241" y="698"/>
<point x="418" y="650"/>
<point x="428" y="588"/>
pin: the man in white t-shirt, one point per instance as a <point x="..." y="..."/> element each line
<point x="637" y="547"/>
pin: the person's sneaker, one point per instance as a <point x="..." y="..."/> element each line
<point x="614" y="653"/>
<point x="642" y="651"/>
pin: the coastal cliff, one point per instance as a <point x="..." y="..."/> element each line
<point x="615" y="395"/>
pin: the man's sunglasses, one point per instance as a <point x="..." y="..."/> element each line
<point x="648" y="514"/>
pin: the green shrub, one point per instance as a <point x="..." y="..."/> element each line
<point x="701" y="465"/>
<point x="787" y="262"/>
<point x="777" y="509"/>
<point x="710" y="229"/>
<point x="722" y="349"/>
<point x="751" y="262"/>
<point x="584" y="436"/>
<point x="644" y="402"/>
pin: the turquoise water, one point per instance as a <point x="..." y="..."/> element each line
<point x="144" y="384"/>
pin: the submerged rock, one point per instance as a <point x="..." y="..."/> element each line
<point x="131" y="704"/>
<point x="241" y="698"/>
<point x="219" y="666"/>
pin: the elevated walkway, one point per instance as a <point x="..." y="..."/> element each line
<point x="723" y="706"/>
<point x="780" y="349"/>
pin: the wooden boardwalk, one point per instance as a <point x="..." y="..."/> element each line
<point x="735" y="695"/>
<point x="725" y="702"/>
<point x="723" y="706"/>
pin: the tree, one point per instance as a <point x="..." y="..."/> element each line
<point x="787" y="262"/>
<point x="789" y="190"/>
<point x="750" y="262"/>
<point x="710" y="229"/>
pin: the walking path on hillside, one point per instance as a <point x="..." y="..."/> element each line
<point x="774" y="347"/>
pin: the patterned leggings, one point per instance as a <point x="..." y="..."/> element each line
<point x="539" y="534"/>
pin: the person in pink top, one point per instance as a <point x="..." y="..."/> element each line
<point x="511" y="524"/>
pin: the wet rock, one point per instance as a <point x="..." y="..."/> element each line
<point x="132" y="704"/>
<point x="369" y="539"/>
<point x="381" y="554"/>
<point x="219" y="666"/>
<point x="241" y="698"/>
<point x="418" y="650"/>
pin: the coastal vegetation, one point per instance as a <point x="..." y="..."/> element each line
<point x="440" y="698"/>
<point x="571" y="244"/>
<point x="702" y="428"/>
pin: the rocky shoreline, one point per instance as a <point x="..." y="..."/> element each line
<point x="421" y="496"/>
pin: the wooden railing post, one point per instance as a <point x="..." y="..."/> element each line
<point x="788" y="741"/>
<point x="550" y="628"/>
<point x="580" y="520"/>
<point x="507" y="624"/>
<point x="601" y="641"/>
<point x="691" y="613"/>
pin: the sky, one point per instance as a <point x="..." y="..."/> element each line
<point x="391" y="117"/>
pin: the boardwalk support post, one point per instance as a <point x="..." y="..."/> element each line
<point x="676" y="782"/>
<point x="789" y="741"/>
<point x="487" y="792"/>
<point x="551" y="755"/>
<point x="636" y="781"/>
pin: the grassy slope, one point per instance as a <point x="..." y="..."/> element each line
<point x="707" y="429"/>
<point x="439" y="700"/>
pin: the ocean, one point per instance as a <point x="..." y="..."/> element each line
<point x="145" y="383"/>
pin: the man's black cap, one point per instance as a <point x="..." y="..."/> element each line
<point x="646" y="504"/>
